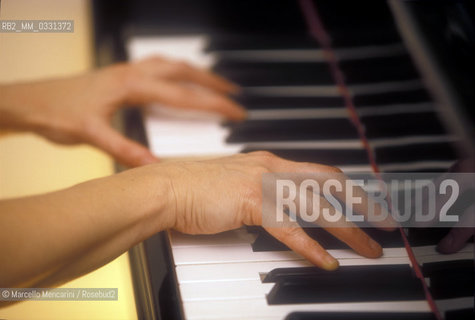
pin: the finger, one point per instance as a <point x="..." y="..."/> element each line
<point x="458" y="236"/>
<point x="358" y="240"/>
<point x="455" y="240"/>
<point x="297" y="240"/>
<point x="184" y="97"/>
<point x="337" y="225"/>
<point x="182" y="71"/>
<point x="290" y="233"/>
<point x="125" y="151"/>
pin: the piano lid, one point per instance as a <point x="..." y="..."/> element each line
<point x="441" y="39"/>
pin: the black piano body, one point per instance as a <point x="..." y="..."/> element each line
<point x="435" y="45"/>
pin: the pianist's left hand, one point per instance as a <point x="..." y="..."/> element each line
<point x="79" y="109"/>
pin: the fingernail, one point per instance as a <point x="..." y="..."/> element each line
<point x="331" y="263"/>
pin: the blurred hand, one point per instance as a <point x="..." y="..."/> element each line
<point x="458" y="236"/>
<point x="79" y="109"/>
<point x="222" y="194"/>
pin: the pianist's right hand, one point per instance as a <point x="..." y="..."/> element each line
<point x="217" y="195"/>
<point x="52" y="238"/>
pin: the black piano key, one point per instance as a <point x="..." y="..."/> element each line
<point x="410" y="124"/>
<point x="290" y="130"/>
<point x="425" y="169"/>
<point x="323" y="156"/>
<point x="253" y="102"/>
<point x="261" y="42"/>
<point x="253" y="73"/>
<point x="361" y="36"/>
<point x="450" y="279"/>
<point x="415" y="152"/>
<point x="247" y="73"/>
<point x="282" y="274"/>
<point x="356" y="25"/>
<point x="349" y="284"/>
<point x="396" y="97"/>
<point x="360" y="316"/>
<point x="431" y="268"/>
<point x="212" y="17"/>
<point x="253" y="229"/>
<point x="378" y="69"/>
<point x="425" y="236"/>
<point x="464" y="314"/>
<point x="429" y="236"/>
<point x="387" y="239"/>
<point x="265" y="242"/>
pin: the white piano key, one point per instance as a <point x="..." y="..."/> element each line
<point x="232" y="237"/>
<point x="333" y="90"/>
<point x="276" y="55"/>
<point x="228" y="254"/>
<point x="416" y="165"/>
<point x="432" y="250"/>
<point x="369" y="52"/>
<point x="173" y="133"/>
<point x="186" y="48"/>
<point x="332" y="113"/>
<point x="242" y="289"/>
<point x="251" y="308"/>
<point x="395" y="109"/>
<point x="317" y="144"/>
<point x="310" y="55"/>
<point x="232" y="272"/>
<point x="403" y="141"/>
<point x="454" y="304"/>
<point x="445" y="257"/>
<point x="289" y="114"/>
<point x="355" y="168"/>
<point x="244" y="253"/>
<point x="295" y="91"/>
<point x="382" y="87"/>
<point x="252" y="270"/>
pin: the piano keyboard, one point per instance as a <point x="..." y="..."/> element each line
<point x="307" y="120"/>
<point x="297" y="112"/>
<point x="223" y="277"/>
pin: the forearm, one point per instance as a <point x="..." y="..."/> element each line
<point x="51" y="238"/>
<point x="17" y="107"/>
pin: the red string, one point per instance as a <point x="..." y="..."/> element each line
<point x="317" y="30"/>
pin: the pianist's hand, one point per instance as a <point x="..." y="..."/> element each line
<point x="458" y="236"/>
<point x="79" y="109"/>
<point x="223" y="194"/>
<point x="51" y="238"/>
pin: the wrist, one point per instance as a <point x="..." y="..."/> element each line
<point x="147" y="191"/>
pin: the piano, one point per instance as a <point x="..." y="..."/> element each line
<point x="374" y="86"/>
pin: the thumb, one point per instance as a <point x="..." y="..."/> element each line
<point x="122" y="149"/>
